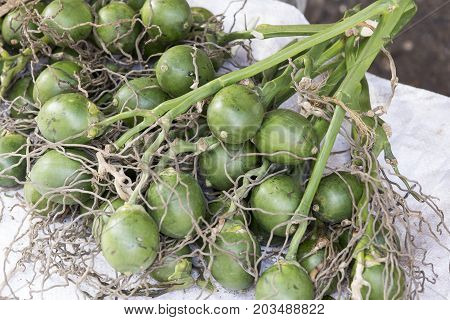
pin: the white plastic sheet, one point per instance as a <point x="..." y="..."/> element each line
<point x="421" y="140"/>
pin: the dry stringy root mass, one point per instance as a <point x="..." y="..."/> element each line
<point x="57" y="244"/>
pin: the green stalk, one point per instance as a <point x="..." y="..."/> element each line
<point x="127" y="136"/>
<point x="387" y="24"/>
<point x="266" y="31"/>
<point x="125" y="115"/>
<point x="330" y="53"/>
<point x="181" y="104"/>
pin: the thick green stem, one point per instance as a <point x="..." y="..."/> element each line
<point x="266" y="31"/>
<point x="330" y="53"/>
<point x="314" y="181"/>
<point x="126" y="115"/>
<point x="127" y="136"/>
<point x="387" y="24"/>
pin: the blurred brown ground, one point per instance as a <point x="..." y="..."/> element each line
<point x="421" y="53"/>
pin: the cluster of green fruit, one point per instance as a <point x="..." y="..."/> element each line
<point x="251" y="154"/>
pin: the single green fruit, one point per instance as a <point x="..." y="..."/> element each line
<point x="381" y="284"/>
<point x="234" y="254"/>
<point x="142" y="93"/>
<point x="69" y="118"/>
<point x="201" y="15"/>
<point x="176" y="72"/>
<point x="167" y="21"/>
<point x="13" y="165"/>
<point x="61" y="174"/>
<point x="289" y="135"/>
<point x="68" y="20"/>
<point x="60" y="77"/>
<point x="274" y="202"/>
<point x="12" y="25"/>
<point x="34" y="199"/>
<point x="136" y="4"/>
<point x="177" y="202"/>
<point x="101" y="220"/>
<point x="284" y="281"/>
<point x="174" y="266"/>
<point x="235" y="114"/>
<point x="117" y="29"/>
<point x="130" y="240"/>
<point x="336" y="197"/>
<point x="21" y="93"/>
<point x="224" y="164"/>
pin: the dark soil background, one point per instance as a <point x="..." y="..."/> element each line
<point x="421" y="52"/>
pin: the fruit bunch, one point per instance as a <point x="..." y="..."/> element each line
<point x="133" y="150"/>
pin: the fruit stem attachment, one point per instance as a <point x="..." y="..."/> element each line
<point x="388" y="22"/>
<point x="145" y="162"/>
<point x="181" y="146"/>
<point x="203" y="144"/>
<point x="243" y="190"/>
